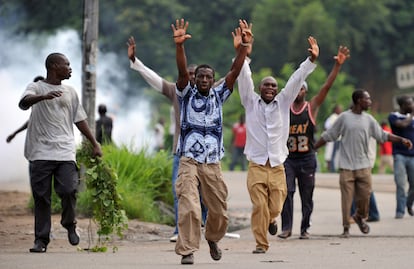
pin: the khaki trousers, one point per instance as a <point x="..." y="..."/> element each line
<point x="355" y="184"/>
<point x="267" y="189"/>
<point x="194" y="179"/>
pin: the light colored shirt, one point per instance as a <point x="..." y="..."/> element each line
<point x="268" y="124"/>
<point x="201" y="136"/>
<point x="50" y="131"/>
<point x="166" y="88"/>
<point x="356" y="131"/>
<point x="329" y="147"/>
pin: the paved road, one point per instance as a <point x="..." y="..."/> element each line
<point x="389" y="245"/>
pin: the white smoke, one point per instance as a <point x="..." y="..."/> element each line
<point x="22" y="58"/>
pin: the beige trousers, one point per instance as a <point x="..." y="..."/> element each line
<point x="267" y="189"/>
<point x="358" y="184"/>
<point x="195" y="178"/>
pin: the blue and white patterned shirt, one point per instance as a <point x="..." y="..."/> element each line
<point x="201" y="135"/>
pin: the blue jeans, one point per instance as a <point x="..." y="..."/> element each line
<point x="176" y="162"/>
<point x="403" y="171"/>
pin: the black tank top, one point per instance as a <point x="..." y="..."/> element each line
<point x="301" y="132"/>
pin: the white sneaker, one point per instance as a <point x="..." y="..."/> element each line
<point x="173" y="239"/>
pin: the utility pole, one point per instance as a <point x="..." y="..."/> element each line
<point x="89" y="51"/>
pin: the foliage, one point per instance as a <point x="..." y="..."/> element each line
<point x="144" y="181"/>
<point x="101" y="183"/>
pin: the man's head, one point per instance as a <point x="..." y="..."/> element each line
<point x="337" y="109"/>
<point x="361" y="99"/>
<point x="102" y="109"/>
<point x="302" y="93"/>
<point x="406" y="104"/>
<point x="58" y="66"/>
<point x="268" y="89"/>
<point x="36" y="79"/>
<point x="204" y="78"/>
<point x="191" y="72"/>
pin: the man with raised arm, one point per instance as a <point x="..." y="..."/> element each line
<point x="201" y="148"/>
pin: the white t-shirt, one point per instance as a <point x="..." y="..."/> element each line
<point x="50" y="131"/>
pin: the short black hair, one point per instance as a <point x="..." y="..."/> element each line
<point x="356" y="95"/>
<point x="102" y="109"/>
<point x="52" y="59"/>
<point x="206" y="66"/>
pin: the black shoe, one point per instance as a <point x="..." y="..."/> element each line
<point x="187" y="259"/>
<point x="345" y="234"/>
<point x="304" y="235"/>
<point x="273" y="228"/>
<point x="73" y="237"/>
<point x="38" y="248"/>
<point x="215" y="252"/>
<point x="410" y="210"/>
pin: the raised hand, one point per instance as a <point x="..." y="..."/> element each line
<point x="131" y="48"/>
<point x="180" y="31"/>
<point x="247" y="35"/>
<point x="314" y="48"/>
<point x="237" y="37"/>
<point x="343" y="54"/>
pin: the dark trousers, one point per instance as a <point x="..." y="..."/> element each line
<point x="302" y="169"/>
<point x="238" y="158"/>
<point x="66" y="180"/>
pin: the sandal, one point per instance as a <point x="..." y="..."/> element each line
<point x="363" y="226"/>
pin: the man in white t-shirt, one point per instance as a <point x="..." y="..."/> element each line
<point x="50" y="147"/>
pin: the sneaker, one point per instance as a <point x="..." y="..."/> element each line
<point x="73" y="236"/>
<point x="259" y="250"/>
<point x="174" y="238"/>
<point x="345" y="234"/>
<point x="285" y="234"/>
<point x="38" y="248"/>
<point x="273" y="228"/>
<point x="215" y="252"/>
<point x="187" y="259"/>
<point x="304" y="235"/>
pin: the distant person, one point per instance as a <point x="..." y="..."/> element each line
<point x="356" y="127"/>
<point x="103" y="126"/>
<point x="24" y="126"/>
<point x="159" y="130"/>
<point x="201" y="149"/>
<point x="50" y="147"/>
<point x="239" y="141"/>
<point x="402" y="124"/>
<point x="301" y="163"/>
<point x="331" y="148"/>
<point x="386" y="159"/>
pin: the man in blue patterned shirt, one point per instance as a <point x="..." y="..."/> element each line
<point x="200" y="147"/>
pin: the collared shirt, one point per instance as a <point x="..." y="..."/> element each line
<point x="268" y="124"/>
<point x="201" y="134"/>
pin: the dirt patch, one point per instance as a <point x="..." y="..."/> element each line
<point x="17" y="226"/>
